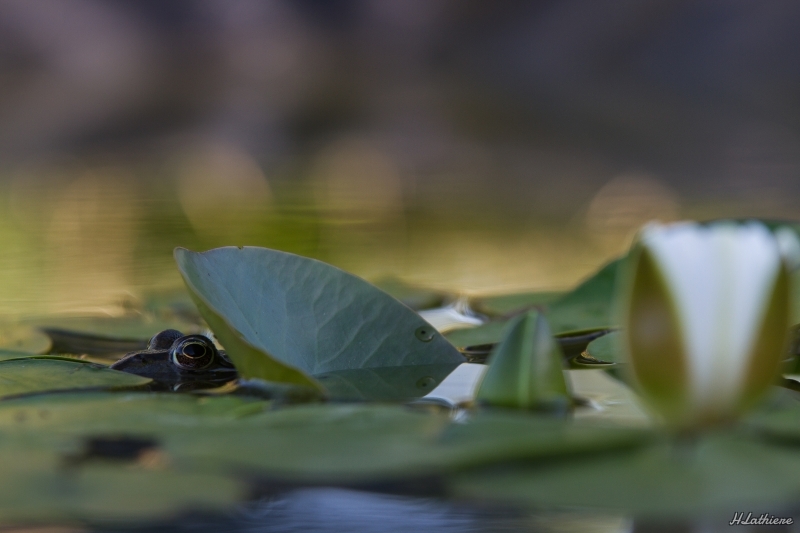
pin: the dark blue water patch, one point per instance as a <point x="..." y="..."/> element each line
<point x="335" y="510"/>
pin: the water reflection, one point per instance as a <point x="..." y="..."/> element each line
<point x="90" y="237"/>
<point x="624" y="204"/>
<point x="332" y="510"/>
<point x="222" y="190"/>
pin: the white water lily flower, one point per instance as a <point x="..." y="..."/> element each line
<point x="706" y="310"/>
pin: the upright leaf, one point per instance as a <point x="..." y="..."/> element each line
<point x="283" y="317"/>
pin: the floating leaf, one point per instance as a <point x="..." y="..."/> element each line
<point x="34" y="375"/>
<point x="282" y="317"/>
<point x="505" y="304"/>
<point x="330" y="443"/>
<point x="11" y="354"/>
<point x="526" y="370"/>
<point x="606" y="399"/>
<point x="572" y="343"/>
<point x="723" y="473"/>
<point x="23" y="338"/>
<point x="39" y="488"/>
<point x="135" y="327"/>
<point x="588" y="306"/>
<point x="72" y="342"/>
<point x="488" y="333"/>
<point x="606" y="348"/>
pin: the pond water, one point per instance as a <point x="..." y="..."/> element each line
<point x="94" y="239"/>
<point x="331" y="510"/>
<point x="97" y="241"/>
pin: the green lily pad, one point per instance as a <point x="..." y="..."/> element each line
<point x="488" y="333"/>
<point x="476" y="343"/>
<point x="34" y="375"/>
<point x="50" y="477"/>
<point x="779" y="422"/>
<point x="72" y="342"/>
<point x="12" y="354"/>
<point x="126" y="327"/>
<point x="331" y="443"/>
<point x="94" y="412"/>
<point x="504" y="304"/>
<point x="346" y="444"/>
<point x="722" y="473"/>
<point x="606" y="348"/>
<point x="282" y="317"/>
<point x="38" y="488"/>
<point x="23" y="338"/>
<point x="588" y="306"/>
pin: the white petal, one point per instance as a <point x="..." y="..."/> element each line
<point x="720" y="277"/>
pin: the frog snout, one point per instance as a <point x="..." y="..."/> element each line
<point x="136" y="363"/>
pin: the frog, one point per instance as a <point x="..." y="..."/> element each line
<point x="179" y="362"/>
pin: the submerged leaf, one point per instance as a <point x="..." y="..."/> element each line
<point x="526" y="370"/>
<point x="282" y="317"/>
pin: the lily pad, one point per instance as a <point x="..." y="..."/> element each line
<point x="572" y="343"/>
<point x="345" y="444"/>
<point x="505" y="304"/>
<point x="606" y="348"/>
<point x="47" y="482"/>
<point x="38" y="489"/>
<point x="326" y="443"/>
<point x="588" y="306"/>
<point x="23" y="338"/>
<point x="34" y="375"/>
<point x="65" y="341"/>
<point x="722" y="473"/>
<point x="488" y="333"/>
<point x="126" y="327"/>
<point x="282" y="317"/>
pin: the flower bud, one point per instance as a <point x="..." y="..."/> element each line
<point x="526" y="370"/>
<point x="705" y="315"/>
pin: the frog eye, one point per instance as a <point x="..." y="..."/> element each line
<point x="193" y="352"/>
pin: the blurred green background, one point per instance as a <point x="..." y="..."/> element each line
<point x="471" y="146"/>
